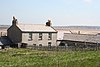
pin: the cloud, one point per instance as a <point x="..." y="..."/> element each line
<point x="88" y="1"/>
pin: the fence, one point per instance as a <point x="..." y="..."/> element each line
<point x="63" y="48"/>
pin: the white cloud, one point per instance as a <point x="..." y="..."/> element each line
<point x="88" y="1"/>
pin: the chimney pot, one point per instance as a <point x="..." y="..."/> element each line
<point x="14" y="21"/>
<point x="48" y="23"/>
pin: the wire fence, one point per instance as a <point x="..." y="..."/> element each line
<point x="64" y="48"/>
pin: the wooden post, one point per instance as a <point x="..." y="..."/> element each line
<point x="85" y="46"/>
<point x="75" y="46"/>
<point x="97" y="46"/>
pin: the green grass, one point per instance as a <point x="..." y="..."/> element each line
<point x="34" y="58"/>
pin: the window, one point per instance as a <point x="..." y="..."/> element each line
<point x="40" y="45"/>
<point x="34" y="44"/>
<point x="30" y="37"/>
<point x="49" y="44"/>
<point x="40" y="36"/>
<point x="49" y="36"/>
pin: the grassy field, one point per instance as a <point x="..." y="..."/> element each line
<point x="34" y="58"/>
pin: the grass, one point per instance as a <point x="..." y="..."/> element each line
<point x="34" y="58"/>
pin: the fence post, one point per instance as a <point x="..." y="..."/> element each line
<point x="97" y="46"/>
<point x="75" y="46"/>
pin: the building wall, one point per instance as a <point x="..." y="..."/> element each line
<point x="58" y="43"/>
<point x="35" y="39"/>
<point x="14" y="34"/>
<point x="3" y="32"/>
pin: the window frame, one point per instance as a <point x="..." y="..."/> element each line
<point x="30" y="37"/>
<point x="34" y="44"/>
<point x="40" y="45"/>
<point x="49" y="44"/>
<point x="40" y="36"/>
<point x="49" y="36"/>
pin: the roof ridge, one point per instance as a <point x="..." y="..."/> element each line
<point x="29" y="24"/>
<point x="36" y="27"/>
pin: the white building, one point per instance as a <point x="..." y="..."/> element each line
<point x="32" y="34"/>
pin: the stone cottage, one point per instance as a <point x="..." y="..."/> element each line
<point x="25" y="35"/>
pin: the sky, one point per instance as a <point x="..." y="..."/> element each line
<point x="60" y="12"/>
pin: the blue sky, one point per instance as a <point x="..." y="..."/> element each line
<point x="61" y="12"/>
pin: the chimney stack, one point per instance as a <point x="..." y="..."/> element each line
<point x="14" y="21"/>
<point x="79" y="32"/>
<point x="48" y="23"/>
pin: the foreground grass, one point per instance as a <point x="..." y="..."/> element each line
<point x="34" y="58"/>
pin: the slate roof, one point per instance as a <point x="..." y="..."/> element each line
<point x="4" y="40"/>
<point x="78" y="27"/>
<point x="35" y="28"/>
<point x="88" y="30"/>
<point x="82" y="38"/>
